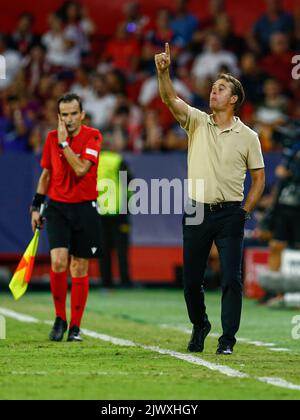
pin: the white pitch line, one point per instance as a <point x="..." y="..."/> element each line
<point x="225" y="370"/>
<point x="281" y="383"/>
<point x="182" y="356"/>
<point x="280" y="350"/>
<point x="109" y="339"/>
<point x="270" y="346"/>
<point x="255" y="342"/>
<point x="18" y="317"/>
<point x="90" y="373"/>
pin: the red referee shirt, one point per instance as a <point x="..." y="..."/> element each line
<point x="65" y="185"/>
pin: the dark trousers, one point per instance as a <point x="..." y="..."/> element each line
<point x="226" y="228"/>
<point x="115" y="235"/>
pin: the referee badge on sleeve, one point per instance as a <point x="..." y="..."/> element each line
<point x="91" y="152"/>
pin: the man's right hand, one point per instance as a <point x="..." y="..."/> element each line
<point x="36" y="220"/>
<point x="163" y="60"/>
<point x="62" y="132"/>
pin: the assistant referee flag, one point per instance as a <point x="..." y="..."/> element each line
<point x="22" y="276"/>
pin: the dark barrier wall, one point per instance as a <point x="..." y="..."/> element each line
<point x="18" y="180"/>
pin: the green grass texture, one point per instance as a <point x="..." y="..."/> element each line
<point x="33" y="368"/>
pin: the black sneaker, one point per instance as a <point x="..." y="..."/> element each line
<point x="59" y="328"/>
<point x="198" y="337"/>
<point x="74" y="334"/>
<point x="225" y="350"/>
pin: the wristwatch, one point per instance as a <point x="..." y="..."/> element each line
<point x="63" y="145"/>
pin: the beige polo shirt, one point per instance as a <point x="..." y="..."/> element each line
<point x="219" y="158"/>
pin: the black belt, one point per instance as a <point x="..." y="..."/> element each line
<point x="216" y="206"/>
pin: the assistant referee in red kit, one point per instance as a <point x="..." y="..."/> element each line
<point x="69" y="179"/>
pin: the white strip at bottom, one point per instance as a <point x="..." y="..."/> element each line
<point x="281" y="383"/>
<point x="279" y="350"/>
<point x="225" y="370"/>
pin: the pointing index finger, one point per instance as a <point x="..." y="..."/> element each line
<point x="167" y="48"/>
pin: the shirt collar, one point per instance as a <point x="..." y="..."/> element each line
<point x="236" y="127"/>
<point x="71" y="139"/>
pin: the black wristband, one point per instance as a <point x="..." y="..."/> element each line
<point x="37" y="201"/>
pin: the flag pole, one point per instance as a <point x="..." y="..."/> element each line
<point x="23" y="273"/>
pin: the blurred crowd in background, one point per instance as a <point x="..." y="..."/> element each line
<point x="116" y="76"/>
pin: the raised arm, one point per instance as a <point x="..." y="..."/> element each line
<point x="166" y="89"/>
<point x="80" y="166"/>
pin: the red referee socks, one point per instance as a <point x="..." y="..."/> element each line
<point x="79" y="294"/>
<point x="59" y="289"/>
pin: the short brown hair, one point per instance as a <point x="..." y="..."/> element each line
<point x="69" y="97"/>
<point x="236" y="89"/>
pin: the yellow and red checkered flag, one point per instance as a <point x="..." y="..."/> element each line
<point x="23" y="273"/>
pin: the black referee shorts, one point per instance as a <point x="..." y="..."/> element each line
<point x="76" y="227"/>
<point x="287" y="226"/>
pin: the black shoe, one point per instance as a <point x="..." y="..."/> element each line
<point x="74" y="334"/>
<point x="225" y="350"/>
<point x="59" y="328"/>
<point x="199" y="335"/>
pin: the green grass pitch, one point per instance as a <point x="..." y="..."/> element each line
<point x="31" y="367"/>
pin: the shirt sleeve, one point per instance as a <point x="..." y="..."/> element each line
<point x="46" y="156"/>
<point x="194" y="119"/>
<point x="255" y="156"/>
<point x="91" y="150"/>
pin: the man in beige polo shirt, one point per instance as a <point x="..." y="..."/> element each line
<point x="221" y="149"/>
